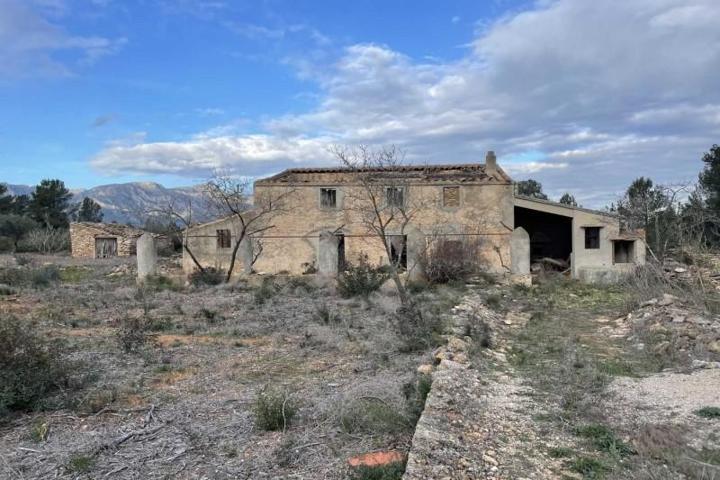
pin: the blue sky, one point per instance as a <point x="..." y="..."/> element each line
<point x="582" y="96"/>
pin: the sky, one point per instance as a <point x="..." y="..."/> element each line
<point x="581" y="95"/>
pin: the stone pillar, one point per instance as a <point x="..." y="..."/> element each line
<point x="416" y="246"/>
<point x="146" y="256"/>
<point x="245" y="253"/>
<point x="327" y="255"/>
<point x="520" y="252"/>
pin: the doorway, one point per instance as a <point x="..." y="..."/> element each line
<point x="105" y="247"/>
<point x="341" y="252"/>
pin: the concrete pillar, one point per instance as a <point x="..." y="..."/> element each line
<point x="520" y="252"/>
<point x="146" y="256"/>
<point x="416" y="246"/>
<point x="327" y="255"/>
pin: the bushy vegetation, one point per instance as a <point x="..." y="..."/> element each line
<point x="30" y="277"/>
<point x="419" y="330"/>
<point x="391" y="471"/>
<point x="273" y="409"/>
<point x="266" y="291"/>
<point x="133" y="333"/>
<point x="207" y="276"/>
<point x="30" y="367"/>
<point x="450" y="259"/>
<point x="361" y="279"/>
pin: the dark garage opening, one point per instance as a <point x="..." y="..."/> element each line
<point x="550" y="235"/>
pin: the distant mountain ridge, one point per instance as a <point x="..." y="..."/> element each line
<point x="130" y="202"/>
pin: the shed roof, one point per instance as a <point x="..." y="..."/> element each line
<point x="115" y="229"/>
<point x="460" y="173"/>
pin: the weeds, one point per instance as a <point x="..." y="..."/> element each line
<point x="208" y="276"/>
<point x="418" y="330"/>
<point x="266" y="291"/>
<point x="604" y="440"/>
<point x="324" y="315"/>
<point x="80" y="464"/>
<point x="361" y="279"/>
<point x="158" y="283"/>
<point x="416" y="393"/>
<point x="132" y="333"/>
<point x="273" y="409"/>
<point x="368" y="414"/>
<point x="590" y="468"/>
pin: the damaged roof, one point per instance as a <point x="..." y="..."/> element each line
<point x="115" y="229"/>
<point x="451" y="173"/>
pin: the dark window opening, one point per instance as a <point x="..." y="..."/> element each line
<point x="328" y="197"/>
<point x="342" y="264"/>
<point x="395" y="197"/>
<point x="398" y="251"/>
<point x="550" y="234"/>
<point x="592" y="237"/>
<point x="451" y="196"/>
<point x="223" y="238"/>
<point x="623" y="251"/>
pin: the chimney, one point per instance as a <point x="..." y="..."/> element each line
<point x="490" y="163"/>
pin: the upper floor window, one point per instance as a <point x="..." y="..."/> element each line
<point x="451" y="196"/>
<point x="395" y="196"/>
<point x="223" y="238"/>
<point x="328" y="197"/>
<point x="592" y="237"/>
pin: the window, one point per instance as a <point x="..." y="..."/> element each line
<point x="592" y="237"/>
<point x="395" y="197"/>
<point x="623" y="251"/>
<point x="328" y="197"/>
<point x="451" y="196"/>
<point x="223" y="238"/>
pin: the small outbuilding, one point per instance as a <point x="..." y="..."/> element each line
<point x="103" y="240"/>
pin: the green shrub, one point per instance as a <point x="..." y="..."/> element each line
<point x="159" y="283"/>
<point x="273" y="409"/>
<point x="30" y="367"/>
<point x="416" y="392"/>
<point x="80" y="464"/>
<point x="708" y="412"/>
<point x="588" y="467"/>
<point x="418" y="330"/>
<point x="391" y="471"/>
<point x="372" y="415"/>
<point x="604" y="439"/>
<point x="361" y="279"/>
<point x="5" y="290"/>
<point x="209" y="276"/>
<point x="44" y="276"/>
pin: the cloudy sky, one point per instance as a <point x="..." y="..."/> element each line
<point x="583" y="95"/>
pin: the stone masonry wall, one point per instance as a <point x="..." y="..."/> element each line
<point x="82" y="241"/>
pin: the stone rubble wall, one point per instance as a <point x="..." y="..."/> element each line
<point x="82" y="241"/>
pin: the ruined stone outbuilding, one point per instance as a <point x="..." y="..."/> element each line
<point x="104" y="240"/>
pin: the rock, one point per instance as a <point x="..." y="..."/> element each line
<point x="680" y="270"/>
<point x="425" y="369"/>
<point x="667" y="299"/>
<point x="460" y="358"/>
<point x="714" y="346"/>
<point x="490" y="460"/>
<point x="698" y="320"/>
<point x="661" y="348"/>
<point x="678" y="318"/>
<point x="457" y="345"/>
<point x="649" y="303"/>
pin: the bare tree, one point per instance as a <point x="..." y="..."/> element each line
<point x="230" y="197"/>
<point x="181" y="215"/>
<point x="383" y="200"/>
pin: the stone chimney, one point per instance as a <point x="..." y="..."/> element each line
<point x="490" y="163"/>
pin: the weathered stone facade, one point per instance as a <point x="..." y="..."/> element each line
<point x="479" y="204"/>
<point x="84" y="237"/>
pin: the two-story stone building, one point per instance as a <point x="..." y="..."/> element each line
<point x="325" y="223"/>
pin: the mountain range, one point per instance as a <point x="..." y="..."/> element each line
<point x="131" y="203"/>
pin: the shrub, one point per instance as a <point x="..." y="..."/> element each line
<point x="132" y="333"/>
<point x="44" y="276"/>
<point x="266" y="291"/>
<point x="324" y="315"/>
<point x="708" y="412"/>
<point x="361" y="279"/>
<point x="391" y="471"/>
<point x="604" y="439"/>
<point x="46" y="240"/>
<point x="209" y="276"/>
<point x="588" y="467"/>
<point x="80" y="464"/>
<point x="369" y="414"/>
<point x="30" y="367"/>
<point x="418" y="330"/>
<point x="416" y="392"/>
<point x="450" y="259"/>
<point x="273" y="409"/>
<point x="159" y="283"/>
<point x="5" y="290"/>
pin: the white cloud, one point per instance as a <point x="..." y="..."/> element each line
<point x="606" y="90"/>
<point x="28" y="41"/>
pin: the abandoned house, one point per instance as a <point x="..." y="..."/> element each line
<point x="104" y="240"/>
<point x="325" y="224"/>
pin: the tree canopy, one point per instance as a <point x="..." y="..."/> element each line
<point x="568" y="199"/>
<point x="530" y="188"/>
<point x="90" y="211"/>
<point x="50" y="204"/>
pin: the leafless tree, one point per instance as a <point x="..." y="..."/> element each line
<point x="182" y="215"/>
<point x="230" y="198"/>
<point x="383" y="200"/>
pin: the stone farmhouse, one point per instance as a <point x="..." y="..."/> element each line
<point x="325" y="224"/>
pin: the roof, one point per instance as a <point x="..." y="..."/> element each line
<point x="562" y="205"/>
<point x="112" y="228"/>
<point x="451" y="173"/>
